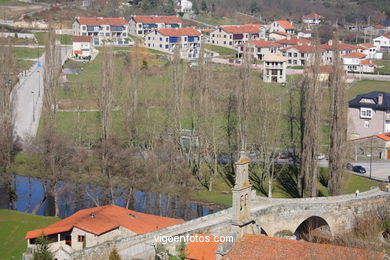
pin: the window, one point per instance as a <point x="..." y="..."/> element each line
<point x="84" y="27"/>
<point x="366" y="124"/>
<point x="166" y="46"/>
<point x="80" y="238"/>
<point x="365" y="112"/>
<point x="149" y="38"/>
<point x="160" y="45"/>
<point x="160" y="39"/>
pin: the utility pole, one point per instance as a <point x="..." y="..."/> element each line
<point x="371" y="156"/>
<point x="32" y="92"/>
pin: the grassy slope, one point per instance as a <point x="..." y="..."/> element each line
<point x="219" y="49"/>
<point x="13" y="228"/>
<point x="365" y="86"/>
<point x="27" y="53"/>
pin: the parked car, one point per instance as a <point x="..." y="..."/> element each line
<point x="358" y="169"/>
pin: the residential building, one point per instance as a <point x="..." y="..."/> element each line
<point x="375" y="146"/>
<point x="293" y="41"/>
<point x="111" y="31"/>
<point x="357" y="62"/>
<point x="305" y="34"/>
<point x="274" y="68"/>
<point x="312" y="19"/>
<point x="184" y="6"/>
<point x="375" y="30"/>
<point x="344" y="49"/>
<point x="369" y="114"/>
<point x="259" y="48"/>
<point x="301" y="55"/>
<point x="383" y="42"/>
<point x="252" y="246"/>
<point x="371" y="51"/>
<point x="282" y="26"/>
<point x="234" y="35"/>
<point x="168" y="39"/>
<point x="82" y="46"/>
<point x="142" y="25"/>
<point x="279" y="36"/>
<point x="94" y="226"/>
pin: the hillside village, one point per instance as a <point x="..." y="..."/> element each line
<point x="182" y="130"/>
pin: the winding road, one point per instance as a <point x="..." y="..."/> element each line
<point x="28" y="98"/>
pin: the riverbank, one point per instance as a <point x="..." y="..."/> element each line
<point x="13" y="228"/>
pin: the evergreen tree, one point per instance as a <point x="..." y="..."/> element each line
<point x="254" y="7"/>
<point x="42" y="251"/>
<point x="203" y="6"/>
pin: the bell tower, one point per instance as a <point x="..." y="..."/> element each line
<point x="241" y="218"/>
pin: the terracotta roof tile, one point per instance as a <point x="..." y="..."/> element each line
<point x="294" y="41"/>
<point x="156" y="19"/>
<point x="342" y="47"/>
<point x="303" y="48"/>
<point x="264" y="44"/>
<point x="355" y="55"/>
<point x="105" y="218"/>
<point x="201" y="250"/>
<point x="101" y="20"/>
<point x="313" y="16"/>
<point x="286" y="24"/>
<point x="238" y="29"/>
<point x="385" y="137"/>
<point x="256" y="247"/>
<point x="366" y="62"/>
<point x="282" y="33"/>
<point x="176" y="32"/>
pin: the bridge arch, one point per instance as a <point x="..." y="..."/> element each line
<point x="313" y="229"/>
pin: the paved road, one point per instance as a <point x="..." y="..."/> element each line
<point x="379" y="170"/>
<point x="28" y="94"/>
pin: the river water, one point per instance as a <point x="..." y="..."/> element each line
<point x="73" y="197"/>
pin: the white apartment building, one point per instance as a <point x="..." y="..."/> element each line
<point x="312" y="19"/>
<point x="234" y="35"/>
<point x="357" y="62"/>
<point x="142" y="25"/>
<point x="282" y="26"/>
<point x="383" y="42"/>
<point x="301" y="55"/>
<point x="111" y="31"/>
<point x="274" y="68"/>
<point x="371" y="51"/>
<point x="188" y="41"/>
<point x="259" y="49"/>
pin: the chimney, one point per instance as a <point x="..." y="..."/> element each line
<point x="380" y="99"/>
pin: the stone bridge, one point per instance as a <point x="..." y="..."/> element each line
<point x="271" y="216"/>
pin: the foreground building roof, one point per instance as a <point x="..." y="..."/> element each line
<point x="101" y="21"/>
<point x="81" y="38"/>
<point x="105" y="218"/>
<point x="201" y="250"/>
<point x="256" y="247"/>
<point x="286" y="24"/>
<point x="156" y="19"/>
<point x="371" y="100"/>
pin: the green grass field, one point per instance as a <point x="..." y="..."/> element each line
<point x="64" y="38"/>
<point x="13" y="228"/>
<point x="385" y="69"/>
<point x="24" y="64"/>
<point x="28" y="53"/>
<point x="223" y="51"/>
<point x="215" y="20"/>
<point x="365" y="86"/>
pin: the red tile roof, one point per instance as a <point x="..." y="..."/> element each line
<point x="385" y="137"/>
<point x="101" y="20"/>
<point x="303" y="48"/>
<point x="238" y="29"/>
<point x="197" y="250"/>
<point x="156" y="19"/>
<point x="366" y="62"/>
<point x="378" y="26"/>
<point x="176" y="32"/>
<point x="282" y="33"/>
<point x="313" y="16"/>
<point x="81" y="38"/>
<point x="105" y="218"/>
<point x="367" y="45"/>
<point x="256" y="247"/>
<point x="286" y="24"/>
<point x="355" y="55"/>
<point x="294" y="41"/>
<point x="342" y="47"/>
<point x="264" y="44"/>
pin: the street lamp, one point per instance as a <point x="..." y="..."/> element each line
<point x="32" y="92"/>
